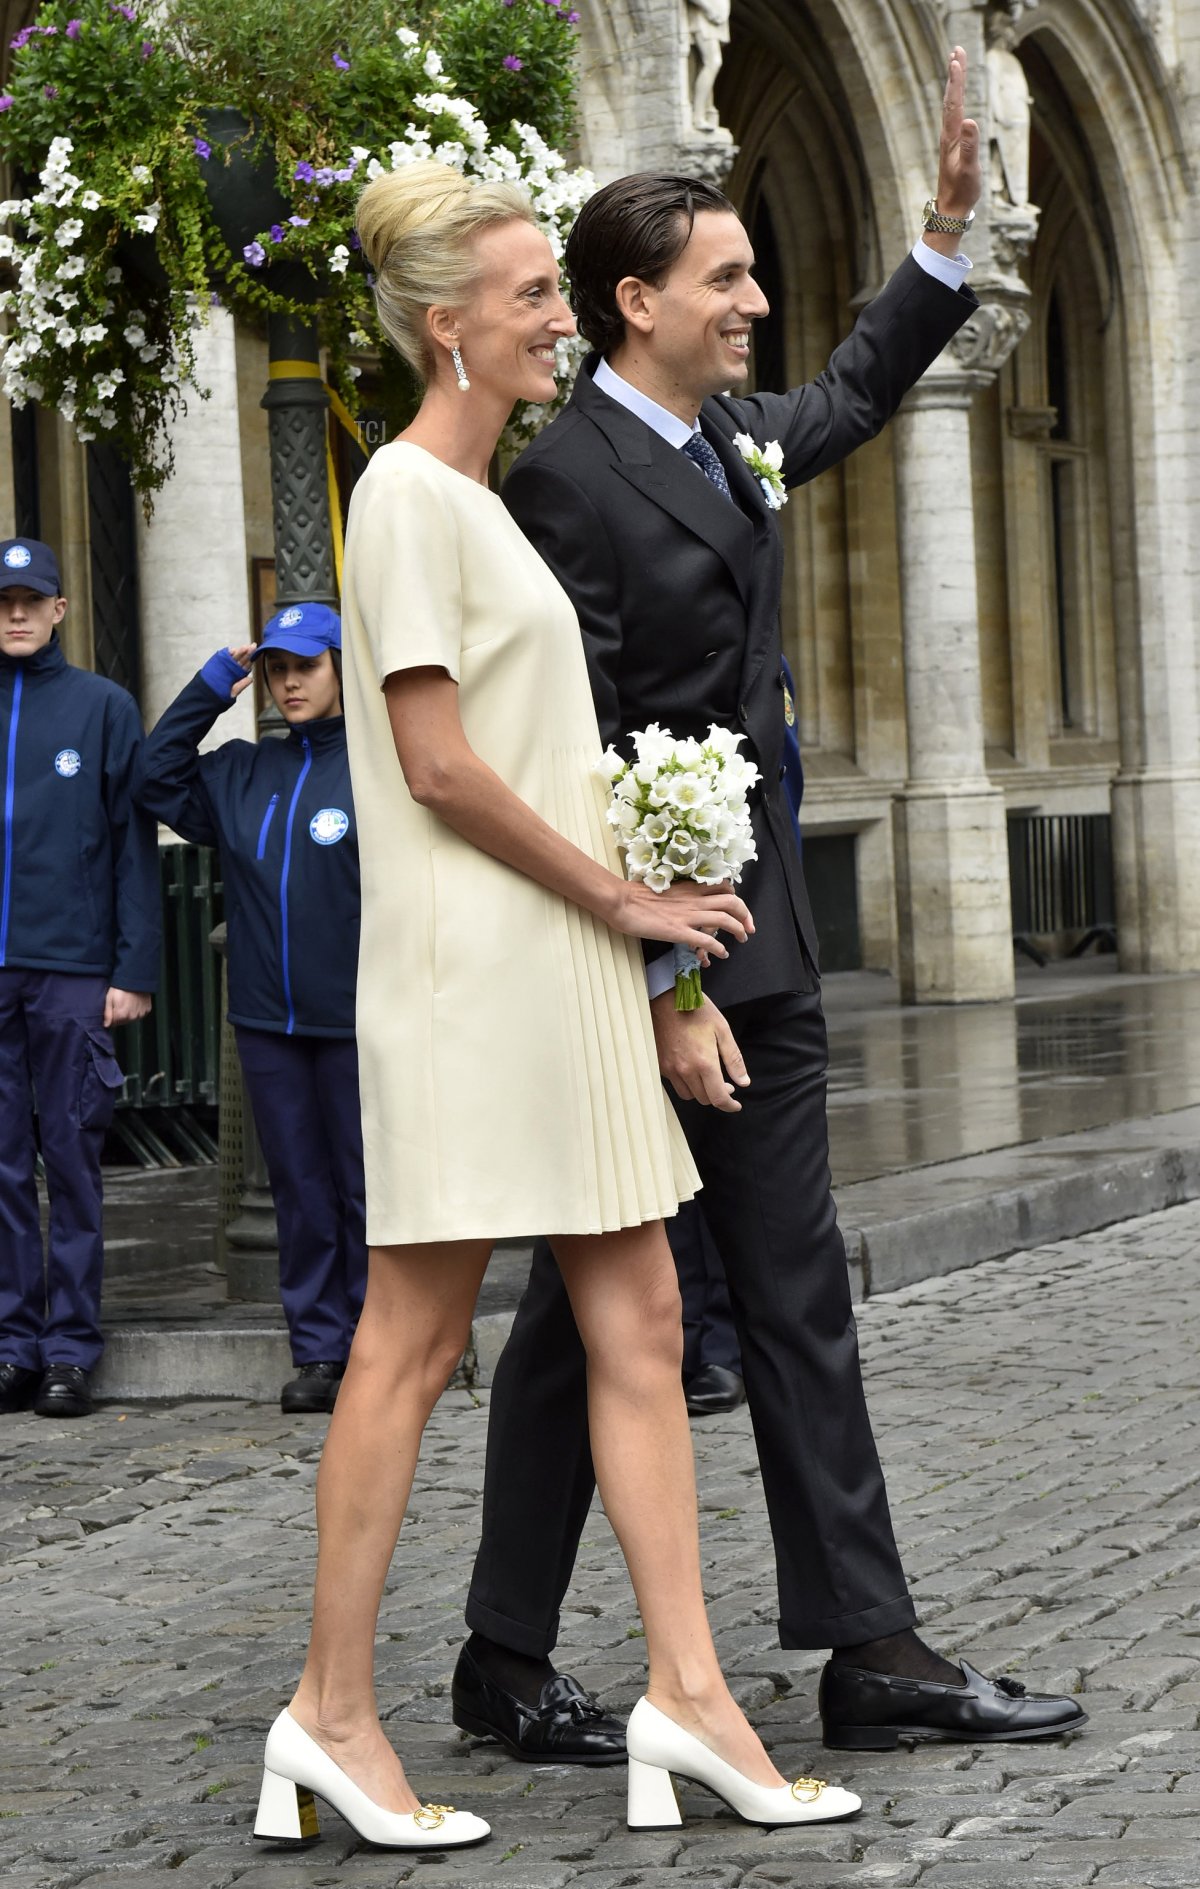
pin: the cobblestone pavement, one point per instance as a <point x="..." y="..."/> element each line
<point x="1038" y="1421"/>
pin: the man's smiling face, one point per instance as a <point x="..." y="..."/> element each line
<point x="702" y="314"/>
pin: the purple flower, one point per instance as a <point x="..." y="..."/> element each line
<point x="277" y="232"/>
<point x="324" y="176"/>
<point x="74" y="28"/>
<point x="300" y="222"/>
<point x="127" y="13"/>
<point x="304" y="172"/>
<point x="354" y="242"/>
<point x="343" y="65"/>
<point x="255" y="255"/>
<point x="7" y="101"/>
<point x="20" y="40"/>
<point x="50" y="91"/>
<point x="508" y="3"/>
<point x="147" y="48"/>
<point x="572" y="19"/>
<point x="513" y="63"/>
<point x="201" y="147"/>
<point x="344" y="176"/>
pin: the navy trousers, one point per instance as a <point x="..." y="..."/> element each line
<point x="55" y="1052"/>
<point x="304" y="1093"/>
<point x="709" y="1333"/>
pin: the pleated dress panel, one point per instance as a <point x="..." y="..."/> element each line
<point x="508" y="1071"/>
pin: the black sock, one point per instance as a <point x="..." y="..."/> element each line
<point x="904" y="1655"/>
<point x="518" y="1673"/>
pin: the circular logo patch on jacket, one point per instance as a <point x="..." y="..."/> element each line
<point x="18" y="556"/>
<point x="67" y="762"/>
<point x="329" y="826"/>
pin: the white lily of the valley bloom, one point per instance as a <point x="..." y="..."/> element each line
<point x="766" y="463"/>
<point x="680" y="811"/>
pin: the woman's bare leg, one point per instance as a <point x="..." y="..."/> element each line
<point x="626" y="1302"/>
<point x="414" y="1327"/>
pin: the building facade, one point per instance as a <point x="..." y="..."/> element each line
<point x="991" y="611"/>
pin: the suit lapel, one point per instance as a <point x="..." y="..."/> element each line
<point x="666" y="477"/>
<point x="763" y="607"/>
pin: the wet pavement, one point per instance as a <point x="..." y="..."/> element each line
<point x="1037" y="1419"/>
<point x="1082" y="1047"/>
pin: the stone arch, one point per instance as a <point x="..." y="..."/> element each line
<point x="1108" y="112"/>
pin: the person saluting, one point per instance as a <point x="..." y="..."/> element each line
<point x="282" y="815"/>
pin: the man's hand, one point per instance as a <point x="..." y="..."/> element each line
<point x="697" y="1053"/>
<point x="125" y="1006"/>
<point x="960" y="180"/>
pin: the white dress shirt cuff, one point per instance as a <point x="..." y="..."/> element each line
<point x="660" y="974"/>
<point x="952" y="270"/>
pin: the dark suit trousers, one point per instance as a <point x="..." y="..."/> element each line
<point x="768" y="1203"/>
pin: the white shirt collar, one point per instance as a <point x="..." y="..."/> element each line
<point x="667" y="425"/>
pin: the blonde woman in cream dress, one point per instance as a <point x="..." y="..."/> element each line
<point x="508" y="1071"/>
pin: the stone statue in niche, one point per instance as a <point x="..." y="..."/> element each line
<point x="707" y="26"/>
<point x="1009" y="107"/>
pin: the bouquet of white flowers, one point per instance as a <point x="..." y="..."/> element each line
<point x="680" y="811"/>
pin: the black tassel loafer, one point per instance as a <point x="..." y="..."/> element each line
<point x="864" y="1711"/>
<point x="566" y="1726"/>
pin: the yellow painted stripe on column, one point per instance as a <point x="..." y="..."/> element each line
<point x="335" y="512"/>
<point x="294" y="370"/>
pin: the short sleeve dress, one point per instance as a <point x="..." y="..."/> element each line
<point x="507" y="1065"/>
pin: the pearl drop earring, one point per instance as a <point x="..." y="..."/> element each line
<point x="464" y="385"/>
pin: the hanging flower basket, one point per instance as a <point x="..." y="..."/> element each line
<point x="205" y="150"/>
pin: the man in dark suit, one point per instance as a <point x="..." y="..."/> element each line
<point x="642" y="501"/>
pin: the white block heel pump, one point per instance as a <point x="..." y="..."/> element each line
<point x="658" y="1746"/>
<point x="297" y="1770"/>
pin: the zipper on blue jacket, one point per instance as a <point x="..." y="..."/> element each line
<point x="10" y="783"/>
<point x="283" y="885"/>
<point x="265" y="828"/>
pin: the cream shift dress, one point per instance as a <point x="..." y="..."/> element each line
<point x="506" y="1056"/>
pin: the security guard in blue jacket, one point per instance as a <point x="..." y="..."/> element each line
<point x="712" y="1358"/>
<point x="79" y="952"/>
<point x="282" y="815"/>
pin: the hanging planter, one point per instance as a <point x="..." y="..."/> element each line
<point x="214" y="150"/>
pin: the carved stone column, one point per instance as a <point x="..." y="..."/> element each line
<point x="952" y="893"/>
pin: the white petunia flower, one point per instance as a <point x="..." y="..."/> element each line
<point x="148" y="220"/>
<point x="69" y="231"/>
<point x="141" y="173"/>
<point x="339" y="259"/>
<point x="90" y="200"/>
<point x="92" y="334"/>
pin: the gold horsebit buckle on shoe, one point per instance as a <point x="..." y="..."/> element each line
<point x="806" y="1790"/>
<point x="432" y="1816"/>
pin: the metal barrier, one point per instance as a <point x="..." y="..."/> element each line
<point x="172" y="1057"/>
<point x="1061" y="877"/>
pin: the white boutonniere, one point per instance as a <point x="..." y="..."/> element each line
<point x="766" y="463"/>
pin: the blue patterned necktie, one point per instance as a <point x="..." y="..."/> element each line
<point x="701" y="454"/>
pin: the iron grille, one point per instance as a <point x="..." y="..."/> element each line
<point x="112" y="536"/>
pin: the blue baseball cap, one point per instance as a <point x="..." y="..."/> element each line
<point x="304" y="629"/>
<point x="31" y="564"/>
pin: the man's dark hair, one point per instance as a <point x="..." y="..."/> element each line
<point x="637" y="226"/>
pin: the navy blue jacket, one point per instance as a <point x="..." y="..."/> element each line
<point x="282" y="815"/>
<point x="78" y="864"/>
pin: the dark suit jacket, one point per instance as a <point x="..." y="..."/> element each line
<point x="678" y="591"/>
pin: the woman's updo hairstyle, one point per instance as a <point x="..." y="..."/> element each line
<point x="417" y="227"/>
